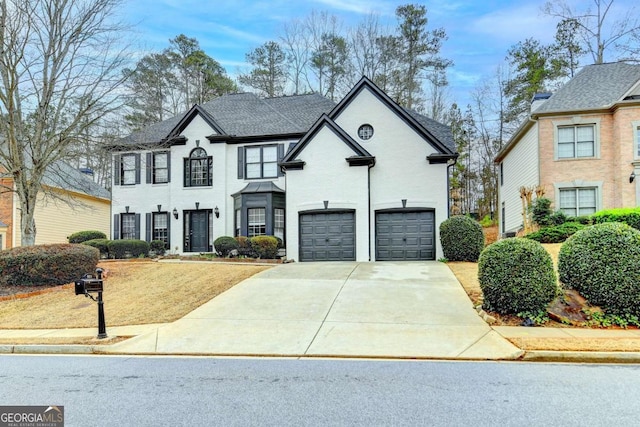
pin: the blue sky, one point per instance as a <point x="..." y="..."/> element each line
<point x="480" y="32"/>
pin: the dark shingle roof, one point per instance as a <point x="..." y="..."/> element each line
<point x="245" y="114"/>
<point x="62" y="175"/>
<point x="439" y="130"/>
<point x="594" y="87"/>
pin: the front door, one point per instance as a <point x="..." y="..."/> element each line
<point x="198" y="231"/>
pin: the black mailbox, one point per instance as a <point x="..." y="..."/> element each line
<point x="89" y="283"/>
<point x="93" y="283"/>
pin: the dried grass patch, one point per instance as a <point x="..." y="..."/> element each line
<point x="577" y="344"/>
<point x="135" y="293"/>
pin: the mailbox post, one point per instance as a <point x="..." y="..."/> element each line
<point x="87" y="284"/>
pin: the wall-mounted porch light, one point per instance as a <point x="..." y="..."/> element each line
<point x="175" y="213"/>
<point x="216" y="212"/>
<point x="632" y="176"/>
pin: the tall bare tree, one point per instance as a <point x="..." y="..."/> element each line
<point x="601" y="32"/>
<point x="60" y="63"/>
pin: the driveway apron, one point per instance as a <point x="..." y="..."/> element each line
<point x="380" y="309"/>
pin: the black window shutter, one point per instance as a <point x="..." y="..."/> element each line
<point x="138" y="226"/>
<point x="149" y="167"/>
<point x="209" y="171"/>
<point x="137" y="168"/>
<point x="168" y="166"/>
<point x="280" y="157"/>
<point x="240" y="162"/>
<point x="186" y="173"/>
<point x="169" y="230"/>
<point x="117" y="169"/>
<point x="116" y="227"/>
<point x="148" y="226"/>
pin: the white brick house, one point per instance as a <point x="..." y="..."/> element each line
<point x="361" y="180"/>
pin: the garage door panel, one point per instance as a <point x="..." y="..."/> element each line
<point x="330" y="236"/>
<point x="405" y="235"/>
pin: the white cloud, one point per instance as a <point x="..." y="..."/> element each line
<point x="363" y="7"/>
<point x="515" y="24"/>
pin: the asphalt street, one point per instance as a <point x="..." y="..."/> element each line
<point x="191" y="391"/>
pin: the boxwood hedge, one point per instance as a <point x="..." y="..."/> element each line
<point x="46" y="264"/>
<point x="602" y="262"/>
<point x="516" y="275"/>
<point x="462" y="238"/>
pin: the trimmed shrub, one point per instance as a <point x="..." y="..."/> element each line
<point x="83" y="236"/>
<point x="584" y="219"/>
<point x="558" y="218"/>
<point x="118" y="248"/>
<point x="555" y="234"/>
<point x="516" y="276"/>
<point x="157" y="246"/>
<point x="462" y="238"/>
<point x="100" y="244"/>
<point x="541" y="211"/>
<point x="629" y="216"/>
<point x="224" y="245"/>
<point x="602" y="263"/>
<point x="244" y="247"/>
<point x="265" y="247"/>
<point x="47" y="264"/>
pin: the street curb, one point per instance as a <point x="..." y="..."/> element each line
<point x="47" y="349"/>
<point x="581" y="356"/>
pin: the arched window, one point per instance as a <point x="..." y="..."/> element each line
<point x="197" y="168"/>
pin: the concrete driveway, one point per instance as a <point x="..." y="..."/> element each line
<point x="390" y="309"/>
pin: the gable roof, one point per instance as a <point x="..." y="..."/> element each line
<point x="64" y="176"/>
<point x="242" y="115"/>
<point x="325" y="122"/>
<point x="595" y="87"/>
<point x="437" y="134"/>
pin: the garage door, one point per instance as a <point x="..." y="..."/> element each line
<point x="402" y="236"/>
<point x="327" y="236"/>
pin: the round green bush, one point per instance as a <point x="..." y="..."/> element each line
<point x="265" y="247"/>
<point x="157" y="246"/>
<point x="516" y="276"/>
<point x="46" y="264"/>
<point x="120" y="249"/>
<point x="101" y="244"/>
<point x="224" y="245"/>
<point x="83" y="236"/>
<point x="462" y="238"/>
<point x="602" y="262"/>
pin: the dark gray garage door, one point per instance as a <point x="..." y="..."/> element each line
<point x="405" y="236"/>
<point x="329" y="236"/>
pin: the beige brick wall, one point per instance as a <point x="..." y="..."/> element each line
<point x="612" y="167"/>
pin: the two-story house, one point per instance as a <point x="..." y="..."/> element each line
<point x="68" y="193"/>
<point x="361" y="180"/>
<point x="581" y="143"/>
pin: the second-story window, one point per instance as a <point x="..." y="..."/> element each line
<point x="576" y="141"/>
<point x="128" y="169"/>
<point x="198" y="169"/>
<point x="262" y="162"/>
<point x="160" y="168"/>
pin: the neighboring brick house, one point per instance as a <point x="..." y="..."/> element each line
<point x="363" y="180"/>
<point x="582" y="144"/>
<point x="71" y="202"/>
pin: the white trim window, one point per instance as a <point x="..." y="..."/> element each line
<point x="578" y="201"/>
<point x="128" y="171"/>
<point x="278" y="223"/>
<point x="257" y="222"/>
<point x="576" y="141"/>
<point x="128" y="226"/>
<point x="161" y="167"/>
<point x="262" y="161"/>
